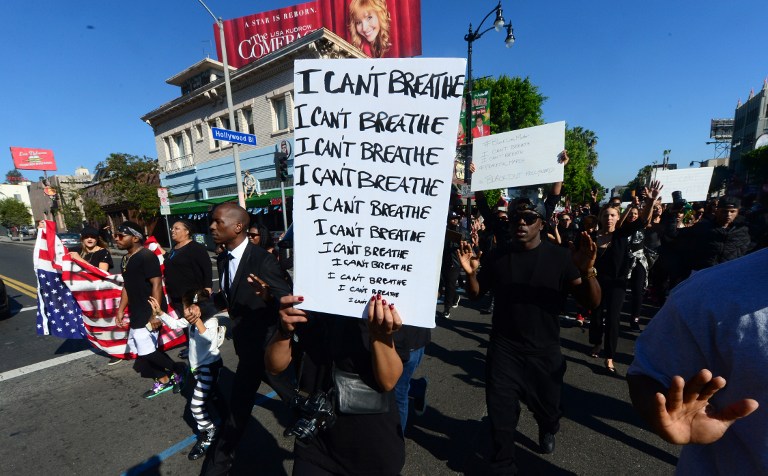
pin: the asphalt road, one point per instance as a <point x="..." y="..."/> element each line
<point x="82" y="417"/>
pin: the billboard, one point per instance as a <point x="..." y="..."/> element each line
<point x="379" y="28"/>
<point x="25" y="158"/>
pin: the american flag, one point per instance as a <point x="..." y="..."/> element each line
<point x="76" y="300"/>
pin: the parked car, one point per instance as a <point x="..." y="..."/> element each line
<point x="70" y="240"/>
<point x="5" y="309"/>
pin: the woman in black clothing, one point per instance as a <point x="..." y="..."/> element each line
<point x="259" y="235"/>
<point x="187" y="265"/>
<point x="612" y="267"/>
<point x="93" y="250"/>
<point x="366" y="438"/>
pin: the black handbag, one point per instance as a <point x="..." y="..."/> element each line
<point x="355" y="397"/>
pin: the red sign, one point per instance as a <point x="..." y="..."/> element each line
<point x="33" y="159"/>
<point x="379" y="28"/>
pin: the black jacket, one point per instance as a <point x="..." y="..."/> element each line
<point x="713" y="244"/>
<point x="251" y="316"/>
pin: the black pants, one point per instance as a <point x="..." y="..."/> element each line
<point x="450" y="279"/>
<point x="512" y="378"/>
<point x="637" y="286"/>
<point x="157" y="365"/>
<point x="613" y="292"/>
<point x="249" y="346"/>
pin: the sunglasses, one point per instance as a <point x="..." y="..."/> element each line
<point x="528" y="218"/>
<point x="119" y="236"/>
<point x="252" y="235"/>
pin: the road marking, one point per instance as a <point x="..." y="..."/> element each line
<point x="44" y="365"/>
<point x="155" y="460"/>
<point x="19" y="286"/>
<point x="30" y="308"/>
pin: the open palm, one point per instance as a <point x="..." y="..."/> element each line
<point x="685" y="414"/>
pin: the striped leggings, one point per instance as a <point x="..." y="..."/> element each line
<point x="205" y="386"/>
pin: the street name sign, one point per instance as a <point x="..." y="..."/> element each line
<point x="233" y="136"/>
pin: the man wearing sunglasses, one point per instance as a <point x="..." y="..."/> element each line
<point x="530" y="279"/>
<point x="143" y="279"/>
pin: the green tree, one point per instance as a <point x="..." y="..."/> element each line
<point x="132" y="181"/>
<point x="14" y="177"/>
<point x="578" y="180"/>
<point x="93" y="211"/>
<point x="14" y="213"/>
<point x="642" y="178"/>
<point x="515" y="102"/>
<point x="756" y="163"/>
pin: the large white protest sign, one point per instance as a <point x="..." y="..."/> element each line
<point x="374" y="153"/>
<point x="517" y="158"/>
<point x="693" y="183"/>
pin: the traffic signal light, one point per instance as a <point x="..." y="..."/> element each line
<point x="282" y="167"/>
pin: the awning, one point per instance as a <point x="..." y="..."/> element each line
<point x="202" y="206"/>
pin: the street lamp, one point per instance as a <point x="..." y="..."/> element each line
<point x="498" y="25"/>
<point x="228" y="89"/>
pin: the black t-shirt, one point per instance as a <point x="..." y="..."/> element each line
<point x="529" y="288"/>
<point x="138" y="269"/>
<point x="356" y="444"/>
<point x="188" y="267"/>
<point x="97" y="257"/>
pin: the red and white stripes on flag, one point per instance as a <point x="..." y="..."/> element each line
<point x="96" y="294"/>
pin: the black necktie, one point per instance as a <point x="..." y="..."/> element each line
<point x="227" y="258"/>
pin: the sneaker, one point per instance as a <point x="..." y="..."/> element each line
<point x="184" y="353"/>
<point x="419" y="391"/>
<point x="635" y="324"/>
<point x="178" y="381"/>
<point x="579" y="319"/>
<point x="204" y="441"/>
<point x="114" y="360"/>
<point x="446" y="315"/>
<point x="458" y="299"/>
<point x="158" y="388"/>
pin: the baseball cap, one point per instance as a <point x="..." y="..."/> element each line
<point x="525" y="204"/>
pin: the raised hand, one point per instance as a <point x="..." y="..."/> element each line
<point x="467" y="258"/>
<point x="654" y="192"/>
<point x="684" y="415"/>
<point x="584" y="257"/>
<point x="563" y="158"/>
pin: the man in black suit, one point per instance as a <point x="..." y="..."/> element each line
<point x="252" y="284"/>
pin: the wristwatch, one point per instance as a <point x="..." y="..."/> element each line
<point x="591" y="273"/>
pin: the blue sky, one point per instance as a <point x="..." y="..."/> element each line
<point x="645" y="76"/>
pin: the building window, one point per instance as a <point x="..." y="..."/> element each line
<point x="248" y="117"/>
<point x="280" y="111"/>
<point x="177" y="146"/>
<point x="214" y="142"/>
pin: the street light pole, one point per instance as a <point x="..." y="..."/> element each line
<point x="228" y="89"/>
<point x="470" y="37"/>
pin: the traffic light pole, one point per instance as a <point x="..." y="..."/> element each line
<point x="285" y="213"/>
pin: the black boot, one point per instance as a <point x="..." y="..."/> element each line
<point x="204" y="441"/>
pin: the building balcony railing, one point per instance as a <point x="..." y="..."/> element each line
<point x="177" y="164"/>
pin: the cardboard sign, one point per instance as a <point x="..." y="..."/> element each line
<point x="517" y="158"/>
<point x="693" y="183"/>
<point x="374" y="151"/>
